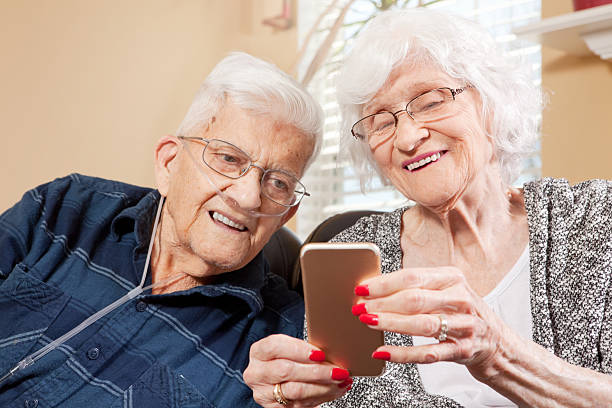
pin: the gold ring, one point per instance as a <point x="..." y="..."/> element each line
<point x="443" y="328"/>
<point x="278" y="395"/>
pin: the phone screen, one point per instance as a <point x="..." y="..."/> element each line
<point x="330" y="272"/>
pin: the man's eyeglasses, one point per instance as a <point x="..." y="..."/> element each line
<point x="230" y="161"/>
<point x="428" y="106"/>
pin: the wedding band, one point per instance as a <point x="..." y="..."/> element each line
<point x="278" y="395"/>
<point x="443" y="328"/>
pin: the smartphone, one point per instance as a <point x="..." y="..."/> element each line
<point x="330" y="272"/>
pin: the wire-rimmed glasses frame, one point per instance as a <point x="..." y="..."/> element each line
<point x="227" y="159"/>
<point x="427" y="106"/>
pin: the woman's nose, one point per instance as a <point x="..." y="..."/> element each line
<point x="409" y="133"/>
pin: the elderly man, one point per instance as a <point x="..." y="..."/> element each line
<point x="110" y="297"/>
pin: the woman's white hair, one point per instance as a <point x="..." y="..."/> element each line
<point x="511" y="102"/>
<point x="259" y="87"/>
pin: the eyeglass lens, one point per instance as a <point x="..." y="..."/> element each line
<point x="426" y="107"/>
<point x="230" y="161"/>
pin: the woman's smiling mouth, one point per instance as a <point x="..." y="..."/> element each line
<point x="423" y="160"/>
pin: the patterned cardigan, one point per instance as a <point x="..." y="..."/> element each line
<point x="570" y="250"/>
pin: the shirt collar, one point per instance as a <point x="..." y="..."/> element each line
<point x="137" y="219"/>
<point x="245" y="283"/>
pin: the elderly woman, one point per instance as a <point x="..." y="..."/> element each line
<point x="491" y="295"/>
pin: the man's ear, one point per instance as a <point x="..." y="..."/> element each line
<point x="287" y="216"/>
<point x="166" y="151"/>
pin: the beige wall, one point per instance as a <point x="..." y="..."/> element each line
<point x="89" y="86"/>
<point x="577" y="125"/>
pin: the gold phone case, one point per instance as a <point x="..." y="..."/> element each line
<point x="330" y="272"/>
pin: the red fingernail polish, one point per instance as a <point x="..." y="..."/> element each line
<point x="381" y="355"/>
<point x="339" y="374"/>
<point x="358" y="309"/>
<point x="362" y="290"/>
<point x="317" y="355"/>
<point x="369" y="319"/>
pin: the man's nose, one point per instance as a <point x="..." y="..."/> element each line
<point x="246" y="190"/>
<point x="409" y="132"/>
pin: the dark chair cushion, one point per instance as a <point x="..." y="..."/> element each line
<point x="281" y="253"/>
<point x="336" y="224"/>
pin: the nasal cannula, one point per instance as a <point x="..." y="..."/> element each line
<point x="30" y="359"/>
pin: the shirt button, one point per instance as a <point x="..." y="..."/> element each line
<point x="141" y="306"/>
<point x="93" y="353"/>
<point x="30" y="403"/>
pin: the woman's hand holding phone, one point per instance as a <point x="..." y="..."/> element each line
<point x="305" y="378"/>
<point x="434" y="302"/>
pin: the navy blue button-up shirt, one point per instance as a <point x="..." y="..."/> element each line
<point x="71" y="247"/>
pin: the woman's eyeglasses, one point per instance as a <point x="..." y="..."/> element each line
<point x="428" y="106"/>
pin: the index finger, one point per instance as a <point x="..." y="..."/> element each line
<point x="409" y="278"/>
<point x="286" y="347"/>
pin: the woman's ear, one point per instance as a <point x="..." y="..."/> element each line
<point x="166" y="151"/>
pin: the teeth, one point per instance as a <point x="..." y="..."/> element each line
<point x="434" y="157"/>
<point x="227" y="221"/>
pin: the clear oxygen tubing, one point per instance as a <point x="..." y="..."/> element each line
<point x="30" y="359"/>
<point x="228" y="200"/>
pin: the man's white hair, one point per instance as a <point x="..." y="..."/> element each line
<point x="511" y="102"/>
<point x="257" y="86"/>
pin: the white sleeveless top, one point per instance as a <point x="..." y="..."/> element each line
<point x="510" y="301"/>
